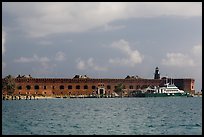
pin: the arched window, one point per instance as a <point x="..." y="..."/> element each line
<point x="19" y="87"/>
<point x="70" y="87"/>
<point x="36" y="87"/>
<point x="28" y="87"/>
<point x="93" y="87"/>
<point x="85" y="87"/>
<point x="108" y="87"/>
<point x="61" y="87"/>
<point x="78" y="87"/>
<point x="131" y="87"/>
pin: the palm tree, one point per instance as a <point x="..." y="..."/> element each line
<point x="119" y="89"/>
<point x="8" y="84"/>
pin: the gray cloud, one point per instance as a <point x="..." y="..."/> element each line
<point x="45" y="43"/>
<point x="3" y="47"/>
<point x="42" y="19"/>
<point x="3" y="41"/>
<point x="149" y="30"/>
<point x="108" y="27"/>
<point x="197" y="50"/>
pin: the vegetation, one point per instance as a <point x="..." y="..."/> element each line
<point x="8" y="84"/>
<point x="119" y="89"/>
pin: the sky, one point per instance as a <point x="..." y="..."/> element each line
<point x="102" y="39"/>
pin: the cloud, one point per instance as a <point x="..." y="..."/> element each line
<point x="133" y="57"/>
<point x="178" y="60"/>
<point x="43" y="61"/>
<point x="81" y="64"/>
<point x="197" y="55"/>
<point x="42" y="19"/>
<point x="3" y="41"/>
<point x="193" y="58"/>
<point x="60" y="56"/>
<point x="35" y="58"/>
<point x="45" y="43"/>
<point x="89" y="64"/>
<point x="113" y="27"/>
<point x="3" y="48"/>
<point x="3" y="66"/>
<point x="197" y="50"/>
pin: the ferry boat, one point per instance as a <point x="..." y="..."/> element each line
<point x="167" y="90"/>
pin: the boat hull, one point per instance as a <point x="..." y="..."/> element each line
<point x="161" y="95"/>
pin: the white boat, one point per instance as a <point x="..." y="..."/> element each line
<point x="169" y="88"/>
<point x="164" y="91"/>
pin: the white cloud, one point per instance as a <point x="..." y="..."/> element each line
<point x="43" y="61"/>
<point x="35" y="58"/>
<point x="81" y="64"/>
<point x="42" y="19"/>
<point x="133" y="57"/>
<point x="60" y="56"/>
<point x="178" y="60"/>
<point x="89" y="64"/>
<point x="193" y="58"/>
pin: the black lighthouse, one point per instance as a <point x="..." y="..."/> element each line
<point x="156" y="74"/>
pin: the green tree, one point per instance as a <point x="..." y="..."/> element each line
<point x="8" y="84"/>
<point x="119" y="89"/>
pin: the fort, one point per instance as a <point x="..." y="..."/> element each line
<point x="86" y="86"/>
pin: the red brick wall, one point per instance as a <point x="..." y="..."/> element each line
<point x="185" y="84"/>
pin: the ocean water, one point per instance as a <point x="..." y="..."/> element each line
<point x="103" y="116"/>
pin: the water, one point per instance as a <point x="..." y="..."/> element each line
<point x="103" y="116"/>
